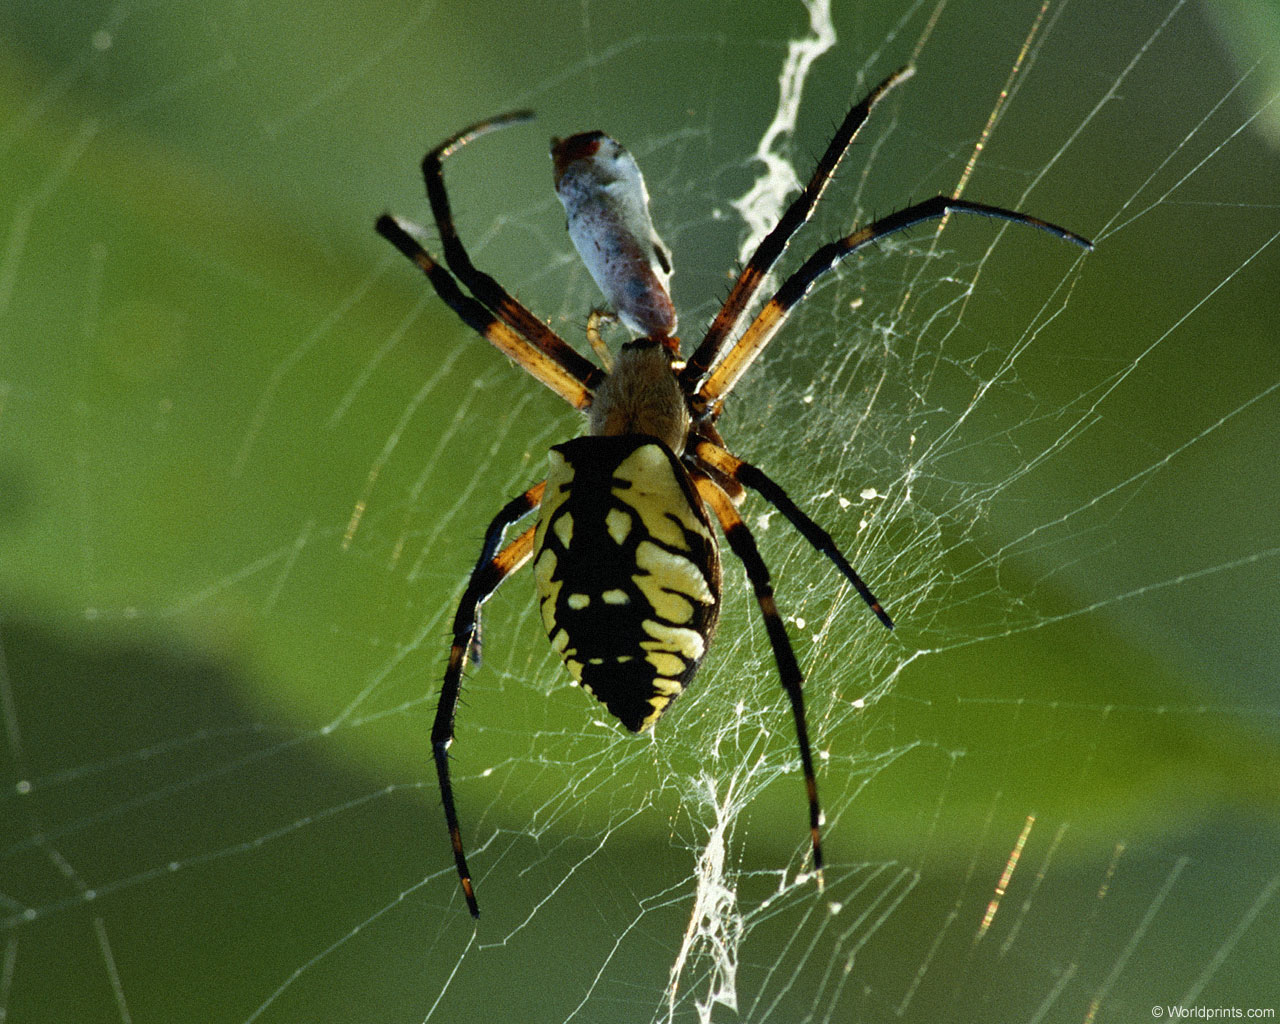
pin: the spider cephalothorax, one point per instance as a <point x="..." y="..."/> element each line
<point x="624" y="556"/>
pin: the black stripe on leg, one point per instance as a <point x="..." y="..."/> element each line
<point x="743" y="544"/>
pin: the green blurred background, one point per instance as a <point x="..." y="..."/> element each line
<point x="246" y="460"/>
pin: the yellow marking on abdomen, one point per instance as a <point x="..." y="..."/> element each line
<point x="618" y="523"/>
<point x="563" y="528"/>
<point x="670" y="583"/>
<point x="665" y="664"/>
<point x="548" y="587"/>
<point x="687" y="642"/>
<point x="655" y="493"/>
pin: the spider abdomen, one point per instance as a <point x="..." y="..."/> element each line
<point x="627" y="572"/>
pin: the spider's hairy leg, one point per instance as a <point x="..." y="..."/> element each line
<point x="775" y="243"/>
<point x="560" y="376"/>
<point x="774" y="313"/>
<point x="489" y="292"/>
<point x="743" y="544"/>
<point x="730" y="465"/>
<point x="456" y="141"/>
<point x="512" y="512"/>
<point x="487" y="576"/>
<point x="480" y="284"/>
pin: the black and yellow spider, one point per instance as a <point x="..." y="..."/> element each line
<point x="625" y="561"/>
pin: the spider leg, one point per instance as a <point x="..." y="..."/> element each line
<point x="490" y="293"/>
<point x="564" y="379"/>
<point x="774" y="313"/>
<point x="730" y="465"/>
<point x="743" y="545"/>
<point x="512" y="512"/>
<point x="775" y="243"/>
<point x="596" y="340"/>
<point x="488" y="575"/>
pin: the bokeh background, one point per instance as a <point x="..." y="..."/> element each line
<point x="246" y="460"/>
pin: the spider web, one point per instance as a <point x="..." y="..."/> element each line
<point x="248" y="458"/>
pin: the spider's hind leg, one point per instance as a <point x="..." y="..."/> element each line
<point x="744" y="546"/>
<point x="492" y="569"/>
<point x="729" y="465"/>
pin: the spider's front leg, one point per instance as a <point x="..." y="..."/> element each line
<point x="491" y="570"/>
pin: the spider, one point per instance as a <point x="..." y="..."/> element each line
<point x="625" y="561"/>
